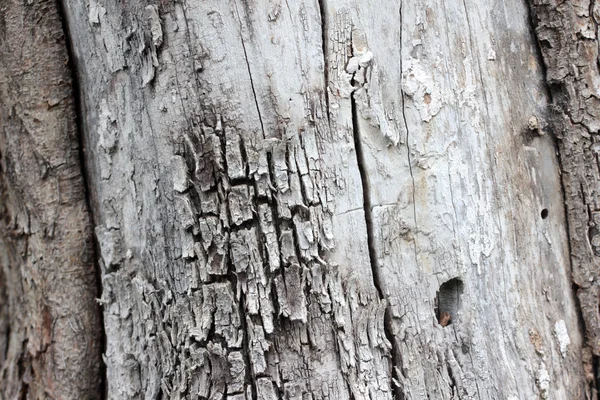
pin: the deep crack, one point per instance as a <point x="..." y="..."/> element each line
<point x="323" y="13"/>
<point x="375" y="268"/>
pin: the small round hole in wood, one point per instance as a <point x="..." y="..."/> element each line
<point x="544" y="213"/>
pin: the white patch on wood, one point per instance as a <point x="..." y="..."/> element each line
<point x="420" y="86"/>
<point x="180" y="174"/>
<point x="543" y="381"/>
<point x="562" y="336"/>
<point x="155" y="26"/>
<point x="96" y="11"/>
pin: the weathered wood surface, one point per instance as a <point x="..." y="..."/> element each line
<point x="281" y="189"/>
<point x="50" y="329"/>
<point x="462" y="197"/>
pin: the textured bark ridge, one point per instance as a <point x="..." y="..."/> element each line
<point x="567" y="33"/>
<point x="325" y="200"/>
<point x="49" y="319"/>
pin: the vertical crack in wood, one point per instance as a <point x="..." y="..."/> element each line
<point x="250" y="379"/>
<point x="231" y="274"/>
<point x="555" y="142"/>
<point x="540" y="59"/>
<point x="410" y="169"/>
<point x="375" y="268"/>
<point x="366" y="200"/>
<point x="453" y="386"/>
<point x="324" y="39"/>
<point x="4" y="317"/>
<point x="262" y="126"/>
<point x="246" y="347"/>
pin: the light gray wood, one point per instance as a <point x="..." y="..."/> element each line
<point x="281" y="189"/>
<point x="456" y="186"/>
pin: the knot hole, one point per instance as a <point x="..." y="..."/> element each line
<point x="448" y="301"/>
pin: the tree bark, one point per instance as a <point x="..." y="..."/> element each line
<point x="50" y="329"/>
<point x="325" y="199"/>
<point x="568" y="37"/>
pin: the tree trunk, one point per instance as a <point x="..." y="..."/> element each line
<point x="50" y="329"/>
<point x="316" y="199"/>
<point x="568" y="34"/>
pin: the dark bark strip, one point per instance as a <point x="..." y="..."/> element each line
<point x="568" y="40"/>
<point x="51" y="345"/>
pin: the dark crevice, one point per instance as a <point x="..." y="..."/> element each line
<point x="301" y="178"/>
<point x="453" y="386"/>
<point x="594" y="386"/>
<point x="262" y="127"/>
<point x="360" y="158"/>
<point x="79" y="125"/>
<point x="575" y="288"/>
<point x="262" y="243"/>
<point x="538" y="52"/>
<point x="281" y="225"/>
<point x="246" y="346"/>
<point x="596" y="366"/>
<point x="232" y="276"/>
<point x="194" y="52"/>
<point x="396" y="356"/>
<point x="5" y="326"/>
<point x="324" y="41"/>
<point x="375" y="269"/>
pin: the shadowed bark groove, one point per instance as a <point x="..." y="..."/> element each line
<point x="50" y="334"/>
